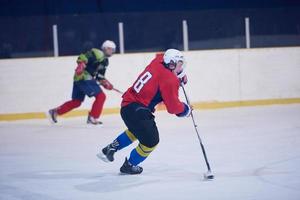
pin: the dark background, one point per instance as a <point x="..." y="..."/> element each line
<point x="26" y="26"/>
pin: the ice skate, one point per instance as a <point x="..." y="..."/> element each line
<point x="107" y="154"/>
<point x="128" y="168"/>
<point x="52" y="116"/>
<point x="94" y="121"/>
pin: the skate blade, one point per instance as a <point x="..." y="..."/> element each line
<point x="49" y="117"/>
<point x="102" y="157"/>
<point x="127" y="174"/>
<point x="208" y="176"/>
<point x="95" y="124"/>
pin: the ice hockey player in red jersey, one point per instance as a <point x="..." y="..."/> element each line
<point x="159" y="82"/>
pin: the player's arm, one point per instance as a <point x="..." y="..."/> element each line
<point x="100" y="76"/>
<point x="182" y="77"/>
<point x="82" y="60"/>
<point x="94" y="55"/>
<point x="99" y="57"/>
<point x="106" y="84"/>
<point x="101" y="73"/>
<point x="169" y="91"/>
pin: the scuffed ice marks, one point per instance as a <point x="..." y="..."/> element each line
<point x="14" y="193"/>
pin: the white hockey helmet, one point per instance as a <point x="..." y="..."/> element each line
<point x="172" y="57"/>
<point x="109" y="44"/>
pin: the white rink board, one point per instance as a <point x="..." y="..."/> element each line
<point x="37" y="84"/>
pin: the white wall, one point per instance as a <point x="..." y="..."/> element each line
<point x="244" y="74"/>
<point x="37" y="84"/>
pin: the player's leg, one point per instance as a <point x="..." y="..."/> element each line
<point x="143" y="126"/>
<point x="122" y="141"/>
<point x="68" y="106"/>
<point x="92" y="89"/>
<point x="97" y="108"/>
<point x="77" y="98"/>
<point x="148" y="137"/>
<point x="145" y="146"/>
<point x="137" y="155"/>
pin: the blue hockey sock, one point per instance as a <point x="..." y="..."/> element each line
<point x="124" y="139"/>
<point x="139" y="154"/>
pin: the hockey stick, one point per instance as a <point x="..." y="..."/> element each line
<point x="208" y="174"/>
<point x="118" y="91"/>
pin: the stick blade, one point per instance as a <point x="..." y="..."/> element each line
<point x="209" y="176"/>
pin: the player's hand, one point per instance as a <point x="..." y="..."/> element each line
<point x="106" y="84"/>
<point x="80" y="68"/>
<point x="186" y="112"/>
<point x="182" y="77"/>
<point x="184" y="80"/>
<point x="190" y="109"/>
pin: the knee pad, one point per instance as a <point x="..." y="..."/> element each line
<point x="76" y="103"/>
<point x="130" y="135"/>
<point x="148" y="134"/>
<point x="101" y="96"/>
<point x="143" y="150"/>
<point x="152" y="143"/>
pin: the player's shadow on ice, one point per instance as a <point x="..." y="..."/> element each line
<point x="101" y="181"/>
<point x="55" y="174"/>
<point x="111" y="183"/>
<point x="8" y="192"/>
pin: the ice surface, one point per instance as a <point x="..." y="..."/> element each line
<point x="254" y="153"/>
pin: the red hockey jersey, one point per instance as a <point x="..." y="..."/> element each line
<point x="154" y="85"/>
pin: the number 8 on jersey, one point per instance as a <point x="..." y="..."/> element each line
<point x="142" y="81"/>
